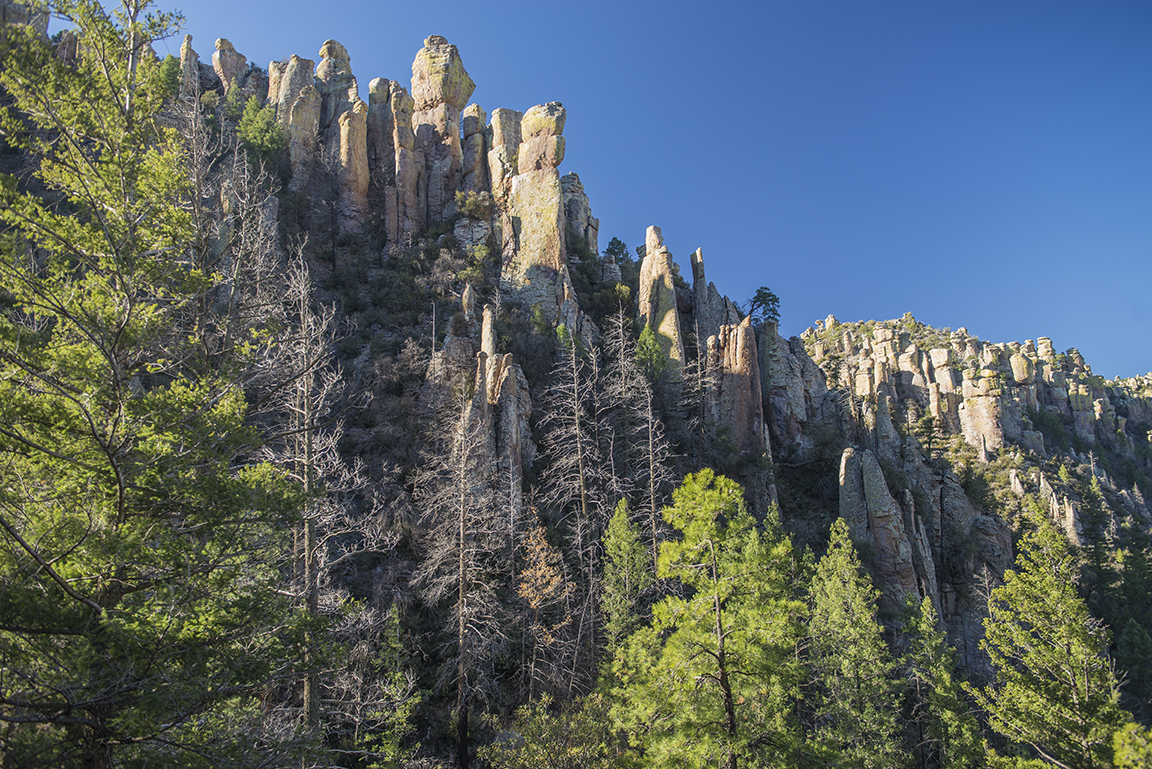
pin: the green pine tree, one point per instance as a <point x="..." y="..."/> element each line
<point x="1134" y="656"/>
<point x="858" y="693"/>
<point x="139" y="541"/>
<point x="1132" y="747"/>
<point x="650" y="357"/>
<point x="1055" y="690"/>
<point x="627" y="574"/>
<point x="945" y="731"/>
<point x="260" y="134"/>
<point x="713" y="680"/>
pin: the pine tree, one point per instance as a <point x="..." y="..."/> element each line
<point x="139" y="538"/>
<point x="1132" y="747"/>
<point x="712" y="681"/>
<point x="572" y="738"/>
<point x="856" y="704"/>
<point x="945" y="731"/>
<point x="627" y="574"/>
<point x="260" y="134"/>
<point x="1055" y="690"/>
<point x="1134" y="656"/>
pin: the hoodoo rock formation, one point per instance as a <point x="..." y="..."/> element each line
<point x="440" y="89"/>
<point x="870" y="405"/>
<point x="658" y="303"/>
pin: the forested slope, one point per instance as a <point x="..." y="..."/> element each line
<point x="331" y="437"/>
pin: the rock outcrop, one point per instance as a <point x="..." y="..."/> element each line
<point x="303" y="125"/>
<point x="498" y="412"/>
<point x="710" y="310"/>
<point x="737" y="401"/>
<point x="502" y="167"/>
<point x="989" y="393"/>
<point x="535" y="267"/>
<point x="582" y="225"/>
<point x="294" y="76"/>
<point x="24" y="14"/>
<point x="795" y="395"/>
<point x="658" y="306"/>
<point x="353" y="175"/>
<point x="895" y="538"/>
<point x="230" y="66"/>
<point x="337" y="87"/>
<point x="440" y="89"/>
<point x="475" y="150"/>
<point x="189" y="69"/>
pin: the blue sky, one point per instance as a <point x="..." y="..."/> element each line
<point x="980" y="163"/>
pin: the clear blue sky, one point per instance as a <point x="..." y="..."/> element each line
<point x="985" y="163"/>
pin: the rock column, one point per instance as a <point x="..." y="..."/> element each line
<point x="353" y="175"/>
<point x="475" y="169"/>
<point x="295" y="77"/>
<point x="189" y="69"/>
<point x="658" y="299"/>
<point x="535" y="270"/>
<point x="230" y="66"/>
<point x="440" y="89"/>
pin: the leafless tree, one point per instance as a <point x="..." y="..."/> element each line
<point x="645" y="453"/>
<point x="578" y="487"/>
<point x="464" y="570"/>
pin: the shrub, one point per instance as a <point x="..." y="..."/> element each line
<point x="260" y="134"/>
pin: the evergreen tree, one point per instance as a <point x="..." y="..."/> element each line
<point x="1134" y="656"/>
<point x="856" y="703"/>
<point x="627" y="574"/>
<point x="650" y="357"/>
<point x="138" y="536"/>
<point x="1055" y="690"/>
<point x="945" y="731"/>
<point x="1132" y="748"/>
<point x="712" y="681"/>
<point x="260" y="134"/>
<point x="573" y="738"/>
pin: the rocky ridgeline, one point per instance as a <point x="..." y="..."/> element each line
<point x="411" y="163"/>
<point x="1018" y="406"/>
<point x="408" y="161"/>
<point x="403" y="157"/>
<point x="988" y="392"/>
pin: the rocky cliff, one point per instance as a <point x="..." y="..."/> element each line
<point x="927" y="442"/>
